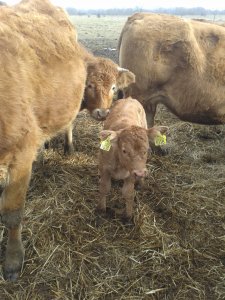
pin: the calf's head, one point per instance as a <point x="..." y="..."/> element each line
<point x="131" y="146"/>
<point x="104" y="78"/>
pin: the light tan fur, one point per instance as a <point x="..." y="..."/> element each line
<point x="177" y="62"/>
<point x="126" y="126"/>
<point x="104" y="79"/>
<point x="42" y="75"/>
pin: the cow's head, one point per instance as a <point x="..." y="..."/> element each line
<point x="131" y="145"/>
<point x="104" y="78"/>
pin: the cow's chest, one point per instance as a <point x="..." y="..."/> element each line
<point x="120" y="173"/>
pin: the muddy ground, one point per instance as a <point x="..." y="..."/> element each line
<point x="176" y="248"/>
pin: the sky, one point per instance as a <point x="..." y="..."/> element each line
<point x="95" y="4"/>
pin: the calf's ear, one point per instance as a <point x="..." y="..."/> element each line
<point x="156" y="132"/>
<point x="125" y="78"/>
<point x="112" y="135"/>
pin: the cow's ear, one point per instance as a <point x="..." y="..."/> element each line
<point x="157" y="133"/>
<point x="112" y="135"/>
<point x="125" y="78"/>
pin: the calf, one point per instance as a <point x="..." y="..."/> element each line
<point x="124" y="149"/>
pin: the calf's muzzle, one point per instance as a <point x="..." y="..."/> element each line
<point x="140" y="173"/>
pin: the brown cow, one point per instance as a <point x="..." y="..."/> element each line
<point x="177" y="62"/>
<point x="104" y="78"/>
<point x="43" y="76"/>
<point x="126" y="130"/>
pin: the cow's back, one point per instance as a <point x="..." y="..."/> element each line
<point x="177" y="62"/>
<point x="41" y="71"/>
<point x="124" y="113"/>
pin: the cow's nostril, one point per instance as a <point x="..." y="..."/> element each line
<point x="99" y="114"/>
<point x="102" y="113"/>
<point x="139" y="173"/>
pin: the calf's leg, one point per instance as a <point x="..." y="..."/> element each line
<point x="104" y="189"/>
<point x="128" y="195"/>
<point x="11" y="208"/>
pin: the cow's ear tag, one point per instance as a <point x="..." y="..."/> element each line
<point x="105" y="144"/>
<point x="160" y="139"/>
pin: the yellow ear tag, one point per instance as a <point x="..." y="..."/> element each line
<point x="160" y="139"/>
<point x="105" y="144"/>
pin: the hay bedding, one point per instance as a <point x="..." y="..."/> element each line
<point x="175" y="250"/>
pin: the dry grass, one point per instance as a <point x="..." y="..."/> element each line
<point x="176" y="248"/>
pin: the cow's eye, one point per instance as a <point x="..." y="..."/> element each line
<point x="124" y="151"/>
<point x="89" y="86"/>
<point x="113" y="88"/>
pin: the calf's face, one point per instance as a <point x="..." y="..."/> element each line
<point x="104" y="78"/>
<point x="131" y="145"/>
<point x="132" y="150"/>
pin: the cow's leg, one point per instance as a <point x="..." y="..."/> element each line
<point x="128" y="195"/>
<point x="68" y="146"/>
<point x="11" y="208"/>
<point x="150" y="110"/>
<point x="104" y="189"/>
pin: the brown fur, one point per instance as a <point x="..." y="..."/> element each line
<point x="126" y="126"/>
<point x="177" y="62"/>
<point x="102" y="82"/>
<point x="43" y="76"/>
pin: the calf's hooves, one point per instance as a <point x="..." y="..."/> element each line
<point x="108" y="212"/>
<point x="128" y="221"/>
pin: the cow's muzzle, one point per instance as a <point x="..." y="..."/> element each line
<point x="100" y="114"/>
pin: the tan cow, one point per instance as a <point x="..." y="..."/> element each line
<point x="177" y="62"/>
<point x="43" y="74"/>
<point x="124" y="150"/>
<point x="104" y="78"/>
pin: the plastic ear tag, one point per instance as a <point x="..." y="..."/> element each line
<point x="160" y="139"/>
<point x="105" y="144"/>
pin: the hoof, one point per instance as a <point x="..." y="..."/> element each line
<point x="128" y="221"/>
<point x="106" y="213"/>
<point x="100" y="211"/>
<point x="110" y="213"/>
<point x="13" y="261"/>
<point x="68" y="149"/>
<point x="11" y="273"/>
